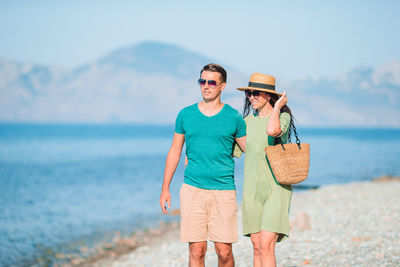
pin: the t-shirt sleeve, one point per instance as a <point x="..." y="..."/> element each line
<point x="179" y="123"/>
<point x="241" y="126"/>
<point x="285" y="123"/>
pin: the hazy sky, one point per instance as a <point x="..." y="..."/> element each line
<point x="285" y="38"/>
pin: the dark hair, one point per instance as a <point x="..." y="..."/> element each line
<point x="215" y="68"/>
<point x="272" y="101"/>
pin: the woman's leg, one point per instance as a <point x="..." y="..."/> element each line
<point x="255" y="239"/>
<point x="267" y="248"/>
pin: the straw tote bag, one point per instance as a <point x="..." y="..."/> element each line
<point x="290" y="163"/>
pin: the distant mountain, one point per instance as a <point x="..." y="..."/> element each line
<point x="144" y="83"/>
<point x="362" y="97"/>
<point x="150" y="82"/>
<point x="156" y="58"/>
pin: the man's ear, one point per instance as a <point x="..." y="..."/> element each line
<point x="223" y="86"/>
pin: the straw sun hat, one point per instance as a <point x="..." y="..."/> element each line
<point x="261" y="82"/>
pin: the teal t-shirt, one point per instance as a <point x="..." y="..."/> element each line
<point x="209" y="146"/>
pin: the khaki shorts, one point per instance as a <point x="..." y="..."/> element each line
<point x="208" y="215"/>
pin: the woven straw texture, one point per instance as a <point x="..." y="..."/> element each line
<point x="289" y="165"/>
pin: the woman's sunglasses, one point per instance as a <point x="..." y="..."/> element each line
<point x="254" y="93"/>
<point x="211" y="83"/>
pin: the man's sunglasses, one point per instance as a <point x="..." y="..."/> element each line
<point x="254" y="93"/>
<point x="211" y="83"/>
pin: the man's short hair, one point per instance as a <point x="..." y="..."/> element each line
<point x="215" y="68"/>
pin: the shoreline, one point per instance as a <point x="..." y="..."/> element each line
<point x="161" y="246"/>
<point x="110" y="248"/>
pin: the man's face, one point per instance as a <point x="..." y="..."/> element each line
<point x="211" y="91"/>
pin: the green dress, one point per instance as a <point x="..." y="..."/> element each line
<point x="265" y="203"/>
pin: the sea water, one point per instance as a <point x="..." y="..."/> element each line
<point x="62" y="185"/>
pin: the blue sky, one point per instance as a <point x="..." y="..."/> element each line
<point x="286" y="38"/>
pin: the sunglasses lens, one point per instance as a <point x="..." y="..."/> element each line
<point x="250" y="93"/>
<point x="212" y="83"/>
<point x="202" y="82"/>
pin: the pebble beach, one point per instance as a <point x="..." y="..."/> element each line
<point x="356" y="224"/>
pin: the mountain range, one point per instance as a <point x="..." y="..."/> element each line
<point x="150" y="82"/>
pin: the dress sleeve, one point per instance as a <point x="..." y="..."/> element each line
<point x="285" y="123"/>
<point x="179" y="123"/>
<point x="237" y="151"/>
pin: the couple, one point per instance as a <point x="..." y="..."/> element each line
<point x="214" y="132"/>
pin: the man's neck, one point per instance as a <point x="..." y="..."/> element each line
<point x="210" y="108"/>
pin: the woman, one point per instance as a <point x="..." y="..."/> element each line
<point x="265" y="206"/>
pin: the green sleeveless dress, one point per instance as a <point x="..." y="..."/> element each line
<point x="265" y="203"/>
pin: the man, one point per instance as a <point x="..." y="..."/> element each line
<point x="208" y="193"/>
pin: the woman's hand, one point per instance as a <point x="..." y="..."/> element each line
<point x="274" y="124"/>
<point x="281" y="102"/>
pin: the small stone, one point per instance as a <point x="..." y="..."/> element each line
<point x="60" y="256"/>
<point x="131" y="242"/>
<point x="76" y="261"/>
<point x="155" y="231"/>
<point x="302" y="221"/>
<point x="174" y="212"/>
<point x="108" y="246"/>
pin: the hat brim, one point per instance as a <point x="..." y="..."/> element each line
<point x="259" y="89"/>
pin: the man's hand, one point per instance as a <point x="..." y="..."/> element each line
<point x="165" y="197"/>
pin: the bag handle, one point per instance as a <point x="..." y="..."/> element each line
<point x="278" y="140"/>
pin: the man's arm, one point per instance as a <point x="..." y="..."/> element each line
<point x="241" y="141"/>
<point x="173" y="157"/>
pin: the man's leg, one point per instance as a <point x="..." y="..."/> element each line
<point x="197" y="253"/>
<point x="222" y="226"/>
<point x="225" y="255"/>
<point x="194" y="223"/>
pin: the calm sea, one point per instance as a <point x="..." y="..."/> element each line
<point x="63" y="185"/>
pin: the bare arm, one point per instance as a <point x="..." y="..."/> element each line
<point x="173" y="157"/>
<point x="241" y="141"/>
<point x="274" y="124"/>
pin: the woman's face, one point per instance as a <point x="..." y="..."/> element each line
<point x="258" y="99"/>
